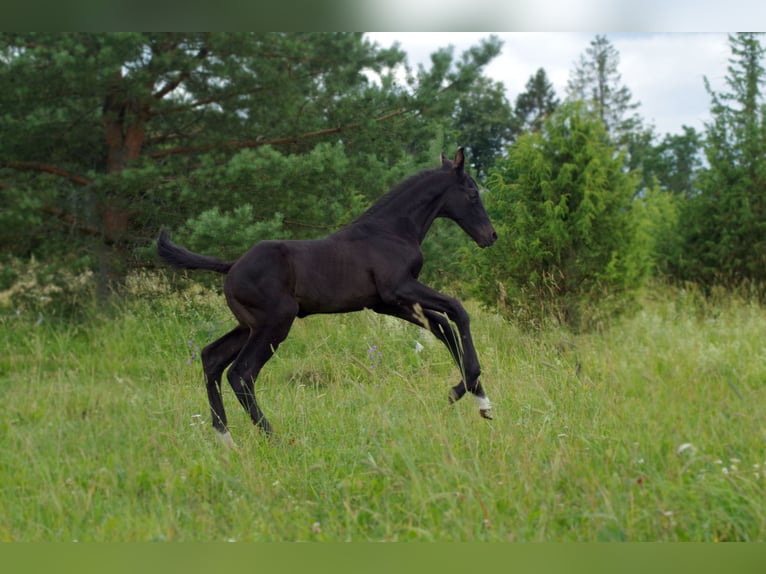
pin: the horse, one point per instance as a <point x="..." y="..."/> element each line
<point x="371" y="263"/>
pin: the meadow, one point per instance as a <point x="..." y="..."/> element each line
<point x="653" y="429"/>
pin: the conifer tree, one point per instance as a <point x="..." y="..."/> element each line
<point x="596" y="80"/>
<point x="106" y="137"/>
<point x="536" y="103"/>
<point x="561" y="204"/>
<point x="726" y="221"/>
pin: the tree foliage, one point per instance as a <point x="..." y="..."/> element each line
<point x="108" y="137"/>
<point x="673" y="163"/>
<point x="229" y="138"/>
<point x="596" y="80"/>
<point x="726" y="221"/>
<point x="562" y="204"/>
<point x="537" y="102"/>
<point x="483" y="120"/>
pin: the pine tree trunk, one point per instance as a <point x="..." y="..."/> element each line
<point x="124" y="121"/>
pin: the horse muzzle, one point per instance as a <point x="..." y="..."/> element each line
<point x="487" y="239"/>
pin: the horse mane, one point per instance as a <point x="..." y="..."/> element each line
<point x="404" y="187"/>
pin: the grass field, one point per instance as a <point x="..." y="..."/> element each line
<point x="654" y="429"/>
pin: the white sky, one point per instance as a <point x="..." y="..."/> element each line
<point x="664" y="71"/>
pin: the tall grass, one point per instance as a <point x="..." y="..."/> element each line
<point x="651" y="430"/>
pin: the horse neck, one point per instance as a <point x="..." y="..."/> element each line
<point x="411" y="209"/>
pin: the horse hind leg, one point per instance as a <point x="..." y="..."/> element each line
<point x="261" y="345"/>
<point x="215" y="358"/>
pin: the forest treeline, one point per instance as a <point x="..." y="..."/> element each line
<point x="228" y="138"/>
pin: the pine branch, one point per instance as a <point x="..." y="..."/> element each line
<point x="172" y="85"/>
<point x="258" y="142"/>
<point x="46" y="168"/>
<point x="70" y="220"/>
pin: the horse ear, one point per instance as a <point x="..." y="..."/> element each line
<point x="446" y="164"/>
<point x="459" y="162"/>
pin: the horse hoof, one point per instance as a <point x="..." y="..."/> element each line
<point x="225" y="439"/>
<point x="486" y="414"/>
<point x="453" y="396"/>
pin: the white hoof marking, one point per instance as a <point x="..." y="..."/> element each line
<point x="483" y="403"/>
<point x="226" y="440"/>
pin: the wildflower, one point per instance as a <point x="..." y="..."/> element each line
<point x="374" y="355"/>
<point x="687" y="446"/>
<point x="418" y="346"/>
<point x="192" y="351"/>
<point x="316" y="528"/>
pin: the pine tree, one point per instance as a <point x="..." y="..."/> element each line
<point x="678" y="162"/>
<point x="108" y="137"/>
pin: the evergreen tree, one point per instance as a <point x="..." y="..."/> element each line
<point x="483" y="120"/>
<point x="108" y="137"/>
<point x="476" y="107"/>
<point x="596" y="80"/>
<point x="676" y="162"/>
<point x="726" y="221"/>
<point x="561" y="204"/>
<point x="536" y="103"/>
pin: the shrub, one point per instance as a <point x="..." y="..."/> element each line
<point x="562" y="203"/>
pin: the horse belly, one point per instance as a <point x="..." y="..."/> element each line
<point x="334" y="289"/>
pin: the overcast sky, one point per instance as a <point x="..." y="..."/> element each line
<point x="664" y="71"/>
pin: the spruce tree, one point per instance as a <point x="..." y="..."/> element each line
<point x="596" y="80"/>
<point x="536" y="103"/>
<point x="726" y="221"/>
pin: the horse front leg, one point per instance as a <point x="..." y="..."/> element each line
<point x="440" y="325"/>
<point x="470" y="369"/>
<point x="435" y="311"/>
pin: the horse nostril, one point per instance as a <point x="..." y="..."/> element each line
<point x="494" y="236"/>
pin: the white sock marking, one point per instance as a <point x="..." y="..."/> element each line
<point x="483" y="403"/>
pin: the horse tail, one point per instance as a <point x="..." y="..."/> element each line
<point x="180" y="257"/>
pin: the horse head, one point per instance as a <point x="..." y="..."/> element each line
<point x="462" y="202"/>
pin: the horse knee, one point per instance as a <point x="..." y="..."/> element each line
<point x="457" y="313"/>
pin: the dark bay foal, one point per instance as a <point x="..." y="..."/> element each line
<point x="372" y="263"/>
